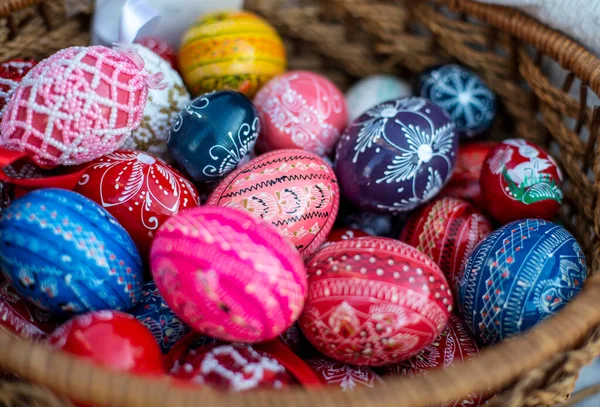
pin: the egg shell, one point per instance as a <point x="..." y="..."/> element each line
<point x="447" y="230"/>
<point x="160" y="48"/>
<point x="293" y="190"/>
<point x="301" y="109"/>
<point x="214" y="134"/>
<point x="374" y="301"/>
<point x="520" y="180"/>
<point x="464" y="183"/>
<point x="11" y="74"/>
<point x="139" y="190"/>
<point x="339" y="235"/>
<point x="89" y="261"/>
<point x="91" y="97"/>
<point x="22" y="318"/>
<point x="373" y="90"/>
<point x="162" y="107"/>
<point x="228" y="275"/>
<point x="343" y="375"/>
<point x="230" y="50"/>
<point x="396" y="156"/>
<point x="111" y="339"/>
<point x="518" y="276"/>
<point x="452" y="347"/>
<point x="232" y="367"/>
<point x="154" y="313"/>
<point x="462" y="94"/>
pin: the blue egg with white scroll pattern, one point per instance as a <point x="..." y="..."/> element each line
<point x="518" y="276"/>
<point x="462" y="94"/>
<point x="67" y="254"/>
<point x="152" y="311"/>
<point x="214" y="134"/>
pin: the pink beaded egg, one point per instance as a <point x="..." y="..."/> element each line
<point x="373" y="301"/>
<point x="301" y="110"/>
<point x="228" y="275"/>
<point x="75" y="106"/>
<point x="294" y="190"/>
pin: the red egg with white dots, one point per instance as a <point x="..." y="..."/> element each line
<point x="374" y="301"/>
<point x="11" y="74"/>
<point x="519" y="180"/>
<point x="141" y="191"/>
<point x="339" y="235"/>
<point x="447" y="230"/>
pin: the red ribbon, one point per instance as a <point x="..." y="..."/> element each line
<point x="67" y="180"/>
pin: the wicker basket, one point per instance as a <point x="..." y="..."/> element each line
<point x="347" y="39"/>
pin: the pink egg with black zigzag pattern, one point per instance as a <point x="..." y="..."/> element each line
<point x="296" y="191"/>
<point x="228" y="275"/>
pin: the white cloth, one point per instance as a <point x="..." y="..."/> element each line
<point x="579" y="19"/>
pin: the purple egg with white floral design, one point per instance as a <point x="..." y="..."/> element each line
<point x="397" y="155"/>
<point x="161" y="321"/>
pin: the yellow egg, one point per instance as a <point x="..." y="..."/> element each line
<point x="230" y="50"/>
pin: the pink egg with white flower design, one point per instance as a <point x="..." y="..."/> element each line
<point x="294" y="190"/>
<point x="301" y="110"/>
<point x="77" y="105"/>
<point x="228" y="275"/>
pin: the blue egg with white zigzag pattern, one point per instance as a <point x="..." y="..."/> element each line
<point x="67" y="254"/>
<point x="518" y="276"/>
<point x="462" y="94"/>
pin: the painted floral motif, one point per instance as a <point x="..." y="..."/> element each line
<point x="304" y="107"/>
<point x="346" y="376"/>
<point x="407" y="146"/>
<point x="462" y="95"/>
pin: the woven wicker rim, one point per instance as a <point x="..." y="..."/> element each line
<point x="495" y="368"/>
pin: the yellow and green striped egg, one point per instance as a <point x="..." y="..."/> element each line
<point x="230" y="50"/>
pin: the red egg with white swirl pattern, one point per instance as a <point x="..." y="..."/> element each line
<point x="374" y="301"/>
<point x="296" y="191"/>
<point x="447" y="230"/>
<point x="455" y="345"/>
<point x="141" y="191"/>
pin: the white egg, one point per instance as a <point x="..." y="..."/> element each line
<point x="373" y="90"/>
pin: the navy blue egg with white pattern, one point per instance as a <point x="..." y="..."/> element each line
<point x="214" y="134"/>
<point x="518" y="276"/>
<point x="67" y="254"/>
<point x="462" y="94"/>
<point x="152" y="311"/>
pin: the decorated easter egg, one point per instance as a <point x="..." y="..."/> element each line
<point x="139" y="190"/>
<point x="228" y="275"/>
<point x="462" y="94"/>
<point x="162" y="107"/>
<point x="89" y="262"/>
<point x="373" y="90"/>
<point x="374" y="301"/>
<point x="111" y="339"/>
<point x="230" y="50"/>
<point x="371" y="223"/>
<point x="11" y="74"/>
<point x="22" y="318"/>
<point x="464" y="183"/>
<point x="452" y="347"/>
<point x="160" y="48"/>
<point x="343" y="375"/>
<point x="232" y="367"/>
<point x="516" y="277"/>
<point x="396" y="156"/>
<point x="214" y="134"/>
<point x="520" y="180"/>
<point x="301" y="109"/>
<point x="77" y="105"/>
<point x="293" y="190"/>
<point x="447" y="230"/>
<point x="152" y="311"/>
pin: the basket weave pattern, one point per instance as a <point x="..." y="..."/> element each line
<point x="348" y="39"/>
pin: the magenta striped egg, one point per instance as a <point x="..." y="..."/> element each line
<point x="228" y="275"/>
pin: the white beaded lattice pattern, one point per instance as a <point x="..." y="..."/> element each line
<point x="77" y="105"/>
